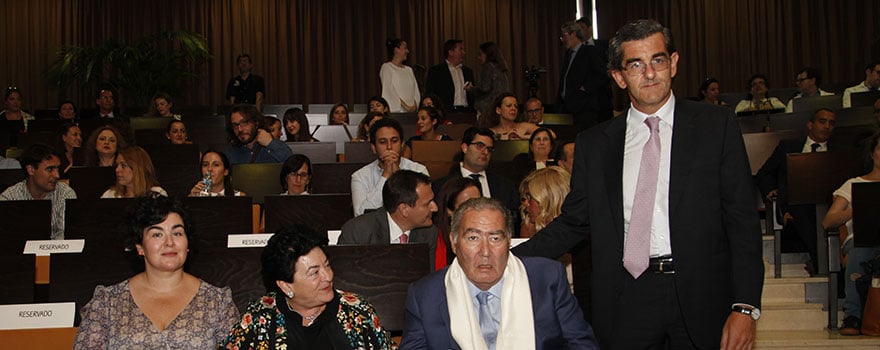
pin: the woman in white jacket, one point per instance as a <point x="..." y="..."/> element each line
<point x="399" y="86"/>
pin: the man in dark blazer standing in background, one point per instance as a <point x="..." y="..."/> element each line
<point x="584" y="85"/>
<point x="665" y="194"/>
<point x="451" y="79"/>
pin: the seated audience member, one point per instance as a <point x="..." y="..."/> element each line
<point x="841" y="214"/>
<point x="275" y="128"/>
<point x="386" y="142"/>
<point x="302" y="310"/>
<point x="249" y="140"/>
<point x="757" y="99"/>
<point x="477" y="146"/>
<point x="296" y="126"/>
<point x="13" y="120"/>
<point x="534" y="111"/>
<point x="541" y="145"/>
<point x="710" y="92"/>
<point x="807" y="82"/>
<point x="565" y="156"/>
<point x="871" y="83"/>
<point x="490" y="299"/>
<point x="41" y="165"/>
<point x="503" y="121"/>
<point x="71" y="138"/>
<point x="161" y="107"/>
<point x="216" y="166"/>
<point x="773" y="184"/>
<point x="338" y="115"/>
<point x="398" y="81"/>
<point x="432" y="100"/>
<point x="542" y="193"/>
<point x="162" y="306"/>
<point x="366" y="124"/>
<point x="405" y="215"/>
<point x="296" y="175"/>
<point x="448" y="199"/>
<point x="429" y="119"/>
<point x="378" y="104"/>
<point x="67" y="111"/>
<point x="103" y="146"/>
<point x="135" y="175"/>
<point x="106" y="103"/>
<point x="176" y="132"/>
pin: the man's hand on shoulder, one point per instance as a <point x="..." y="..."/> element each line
<point x="264" y="137"/>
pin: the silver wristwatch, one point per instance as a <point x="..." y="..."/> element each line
<point x="753" y="312"/>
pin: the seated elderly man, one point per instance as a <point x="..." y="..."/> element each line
<point x="41" y="164"/>
<point x="490" y="299"/>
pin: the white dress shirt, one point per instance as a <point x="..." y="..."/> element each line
<point x="367" y="182"/>
<point x="808" y="146"/>
<point x="637" y="134"/>
<point x="460" y="99"/>
<point x="394" y="231"/>
<point x="484" y="181"/>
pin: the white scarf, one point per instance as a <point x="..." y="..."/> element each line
<point x="517" y="327"/>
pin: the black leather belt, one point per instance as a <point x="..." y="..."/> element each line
<point x="663" y="264"/>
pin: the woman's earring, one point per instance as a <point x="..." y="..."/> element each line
<point x="290" y="294"/>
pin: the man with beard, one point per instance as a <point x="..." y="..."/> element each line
<point x="249" y="140"/>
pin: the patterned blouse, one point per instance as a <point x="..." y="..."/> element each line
<point x="263" y="325"/>
<point x="112" y="320"/>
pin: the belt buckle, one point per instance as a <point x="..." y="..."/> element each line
<point x="664" y="262"/>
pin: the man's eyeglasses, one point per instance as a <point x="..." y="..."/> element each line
<point x="243" y="123"/>
<point x="637" y="68"/>
<point x="482" y="146"/>
<point x="533" y="111"/>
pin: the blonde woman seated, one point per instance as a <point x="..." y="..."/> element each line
<point x="135" y="175"/>
<point x="161" y="307"/>
<point x="215" y="166"/>
<point x="302" y="309"/>
<point x="502" y="120"/>
<point x="542" y="193"/>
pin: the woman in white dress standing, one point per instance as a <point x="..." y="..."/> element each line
<point x="399" y="86"/>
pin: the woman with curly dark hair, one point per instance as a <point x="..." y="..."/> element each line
<point x="302" y="309"/>
<point x="162" y="306"/>
<point x="103" y="146"/>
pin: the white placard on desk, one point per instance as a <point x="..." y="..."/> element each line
<point x="54" y="246"/>
<point x="248" y="240"/>
<point x="30" y="316"/>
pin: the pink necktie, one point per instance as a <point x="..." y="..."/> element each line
<point x="404" y="238"/>
<point x="638" y="238"/>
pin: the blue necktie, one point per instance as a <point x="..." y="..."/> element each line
<point x="487" y="325"/>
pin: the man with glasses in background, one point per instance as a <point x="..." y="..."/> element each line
<point x="584" y="86"/>
<point x="807" y="82"/>
<point x="250" y="142"/>
<point x="477" y="146"/>
<point x="534" y="111"/>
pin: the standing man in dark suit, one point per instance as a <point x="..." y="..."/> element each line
<point x="490" y="299"/>
<point x="451" y="80"/>
<point x="408" y="204"/>
<point x="477" y="145"/>
<point x="584" y="86"/>
<point x="800" y="220"/>
<point x="665" y="193"/>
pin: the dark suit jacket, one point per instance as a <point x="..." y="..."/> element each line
<point x="714" y="229"/>
<point x="559" y="323"/>
<point x="439" y="82"/>
<point x="588" y="86"/>
<point x="372" y="228"/>
<point x="502" y="189"/>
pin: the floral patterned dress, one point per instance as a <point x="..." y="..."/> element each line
<point x="265" y="326"/>
<point x="112" y="320"/>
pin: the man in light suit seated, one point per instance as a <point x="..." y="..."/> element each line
<point x="490" y="299"/>
<point x="408" y="204"/>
